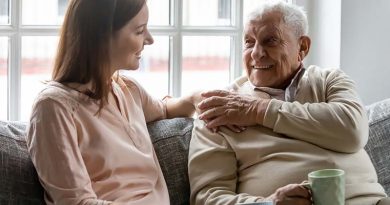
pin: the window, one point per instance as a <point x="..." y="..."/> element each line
<point x="224" y="9"/>
<point x="3" y="77"/>
<point x="42" y="12"/>
<point x="62" y="7"/>
<point x="197" y="45"/>
<point x="4" y="12"/>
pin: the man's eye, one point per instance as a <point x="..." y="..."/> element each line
<point x="248" y="43"/>
<point x="271" y="40"/>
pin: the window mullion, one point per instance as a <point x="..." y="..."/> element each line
<point x="14" y="65"/>
<point x="236" y="50"/>
<point x="39" y="30"/>
<point x="175" y="59"/>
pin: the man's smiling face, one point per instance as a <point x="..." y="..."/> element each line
<point x="271" y="51"/>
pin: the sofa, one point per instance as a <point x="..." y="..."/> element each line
<point x="19" y="183"/>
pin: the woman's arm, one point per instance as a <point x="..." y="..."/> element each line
<point x="156" y="109"/>
<point x="183" y="106"/>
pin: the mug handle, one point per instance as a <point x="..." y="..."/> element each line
<point x="306" y="184"/>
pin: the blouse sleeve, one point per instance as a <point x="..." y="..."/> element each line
<point x="53" y="146"/>
<point x="153" y="108"/>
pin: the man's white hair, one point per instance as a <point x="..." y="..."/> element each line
<point x="293" y="15"/>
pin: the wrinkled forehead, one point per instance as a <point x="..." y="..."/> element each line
<point x="266" y="23"/>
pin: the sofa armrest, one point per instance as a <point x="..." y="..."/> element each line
<point x="378" y="145"/>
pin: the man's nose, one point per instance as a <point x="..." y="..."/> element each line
<point x="258" y="51"/>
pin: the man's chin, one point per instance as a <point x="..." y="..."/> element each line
<point x="257" y="84"/>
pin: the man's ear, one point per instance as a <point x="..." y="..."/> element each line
<point x="304" y="46"/>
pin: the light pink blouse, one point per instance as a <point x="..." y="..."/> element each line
<point x="83" y="158"/>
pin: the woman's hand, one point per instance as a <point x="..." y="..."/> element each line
<point x="224" y="108"/>
<point x="295" y="194"/>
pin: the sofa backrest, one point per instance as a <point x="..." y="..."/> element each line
<point x="19" y="183"/>
<point x="171" y="140"/>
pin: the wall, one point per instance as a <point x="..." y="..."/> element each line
<point x="353" y="35"/>
<point x="365" y="46"/>
<point x="324" y="18"/>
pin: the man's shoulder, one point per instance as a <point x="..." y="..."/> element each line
<point x="320" y="80"/>
<point x="241" y="85"/>
<point x="321" y="76"/>
<point x="316" y="71"/>
<point x="241" y="80"/>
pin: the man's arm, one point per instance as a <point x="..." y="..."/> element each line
<point x="214" y="176"/>
<point x="212" y="168"/>
<point x="338" y="123"/>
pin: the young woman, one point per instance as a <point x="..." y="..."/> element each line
<point x="87" y="136"/>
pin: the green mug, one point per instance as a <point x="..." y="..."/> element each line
<point x="327" y="186"/>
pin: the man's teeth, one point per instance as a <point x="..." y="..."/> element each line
<point x="262" y="67"/>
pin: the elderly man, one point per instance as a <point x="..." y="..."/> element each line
<point x="298" y="120"/>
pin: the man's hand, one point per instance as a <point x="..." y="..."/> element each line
<point x="291" y="194"/>
<point x="224" y="108"/>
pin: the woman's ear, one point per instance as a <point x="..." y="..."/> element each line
<point x="304" y="48"/>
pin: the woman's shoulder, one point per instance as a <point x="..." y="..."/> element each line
<point x="55" y="93"/>
<point x="127" y="82"/>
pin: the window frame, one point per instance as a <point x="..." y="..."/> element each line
<point x="176" y="30"/>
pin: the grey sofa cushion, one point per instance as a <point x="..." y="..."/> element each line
<point x="171" y="140"/>
<point x="378" y="146"/>
<point x="18" y="179"/>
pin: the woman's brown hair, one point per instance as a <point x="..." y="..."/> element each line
<point x="83" y="49"/>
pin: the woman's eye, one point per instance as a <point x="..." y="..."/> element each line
<point x="140" y="30"/>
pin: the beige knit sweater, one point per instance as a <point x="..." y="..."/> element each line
<point x="325" y="127"/>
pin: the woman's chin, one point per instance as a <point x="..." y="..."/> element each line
<point x="131" y="68"/>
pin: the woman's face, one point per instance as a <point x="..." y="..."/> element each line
<point x="128" y="42"/>
<point x="271" y="52"/>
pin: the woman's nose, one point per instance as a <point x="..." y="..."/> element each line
<point x="148" y="38"/>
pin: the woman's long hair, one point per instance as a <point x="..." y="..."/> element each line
<point x="83" y="49"/>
